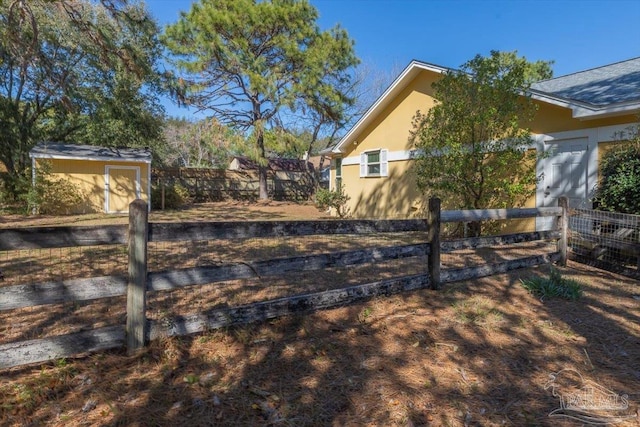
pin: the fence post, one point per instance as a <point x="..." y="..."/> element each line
<point x="136" y="288"/>
<point x="434" y="242"/>
<point x="563" y="202"/>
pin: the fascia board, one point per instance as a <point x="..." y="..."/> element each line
<point x="389" y="94"/>
<point x="95" y="159"/>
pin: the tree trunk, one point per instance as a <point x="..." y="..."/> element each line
<point x="262" y="168"/>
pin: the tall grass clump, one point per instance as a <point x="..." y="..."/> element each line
<point x="554" y="286"/>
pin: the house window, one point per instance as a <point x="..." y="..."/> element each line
<point x="373" y="163"/>
<point x="338" y="173"/>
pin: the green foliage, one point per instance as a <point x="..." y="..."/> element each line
<point x="250" y="63"/>
<point x="619" y="187"/>
<point x="52" y="195"/>
<point x="176" y="196"/>
<point x="333" y="199"/>
<point x="555" y="286"/>
<point x="75" y="71"/>
<point x="473" y="144"/>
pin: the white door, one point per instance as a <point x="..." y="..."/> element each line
<point x="122" y="186"/>
<point x="564" y="174"/>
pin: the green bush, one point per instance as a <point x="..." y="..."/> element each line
<point x="619" y="187"/>
<point x="334" y="199"/>
<point x="175" y="196"/>
<point x="555" y="286"/>
<point x="51" y="195"/>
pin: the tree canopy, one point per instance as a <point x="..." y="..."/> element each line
<point x="76" y="71"/>
<point x="473" y="145"/>
<point x="251" y="63"/>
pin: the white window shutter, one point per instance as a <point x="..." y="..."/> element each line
<point x="363" y="165"/>
<point x="384" y="164"/>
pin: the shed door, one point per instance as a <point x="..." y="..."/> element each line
<point x="122" y="187"/>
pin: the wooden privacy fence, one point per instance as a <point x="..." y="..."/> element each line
<point x="209" y="185"/>
<point x="139" y="330"/>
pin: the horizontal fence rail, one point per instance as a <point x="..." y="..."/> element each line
<point x="284" y="306"/>
<point x="18" y="296"/>
<point x="140" y="281"/>
<point x="487" y="214"/>
<point x="235" y="230"/>
<point x="61" y="237"/>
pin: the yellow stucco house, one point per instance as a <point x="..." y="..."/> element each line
<point x="109" y="178"/>
<point x="578" y="117"/>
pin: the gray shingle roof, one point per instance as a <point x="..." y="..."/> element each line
<point x="90" y="152"/>
<point x="602" y="86"/>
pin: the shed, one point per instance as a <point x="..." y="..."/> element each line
<point x="109" y="178"/>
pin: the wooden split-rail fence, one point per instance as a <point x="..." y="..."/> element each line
<point x="139" y="330"/>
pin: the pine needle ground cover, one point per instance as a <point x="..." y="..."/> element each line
<point x="474" y="353"/>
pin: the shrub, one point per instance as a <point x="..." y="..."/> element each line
<point x="555" y="286"/>
<point x="619" y="187"/>
<point x="175" y="196"/>
<point x="334" y="199"/>
<point x="51" y="195"/>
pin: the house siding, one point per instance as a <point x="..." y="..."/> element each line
<point x="396" y="196"/>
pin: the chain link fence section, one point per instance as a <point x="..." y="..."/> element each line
<point x="607" y="240"/>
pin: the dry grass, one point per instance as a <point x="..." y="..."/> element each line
<point x="475" y="353"/>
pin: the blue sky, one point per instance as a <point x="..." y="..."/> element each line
<point x="388" y="34"/>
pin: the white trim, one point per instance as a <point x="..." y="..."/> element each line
<point x="107" y="169"/>
<point x="398" y="84"/>
<point x="392" y="156"/>
<point x="33" y="181"/>
<point x="95" y="159"/>
<point x="149" y="187"/>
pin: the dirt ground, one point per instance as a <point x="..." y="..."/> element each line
<point x="476" y="353"/>
<point x="218" y="211"/>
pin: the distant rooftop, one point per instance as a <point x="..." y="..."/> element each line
<point x="50" y="150"/>
<point x="602" y="86"/>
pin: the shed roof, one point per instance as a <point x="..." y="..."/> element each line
<point x="50" y="150"/>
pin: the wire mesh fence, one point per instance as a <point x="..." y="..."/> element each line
<point x="610" y="240"/>
<point x="39" y="266"/>
<point x="166" y="256"/>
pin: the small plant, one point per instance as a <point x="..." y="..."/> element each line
<point x="555" y="286"/>
<point x="175" y="196"/>
<point x="364" y="315"/>
<point x="333" y="199"/>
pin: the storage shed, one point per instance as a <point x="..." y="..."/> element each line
<point x="109" y="178"/>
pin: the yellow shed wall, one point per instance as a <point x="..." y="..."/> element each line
<point x="89" y="178"/>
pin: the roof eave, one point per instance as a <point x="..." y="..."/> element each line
<point x="585" y="111"/>
<point x="89" y="158"/>
<point x="396" y="86"/>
